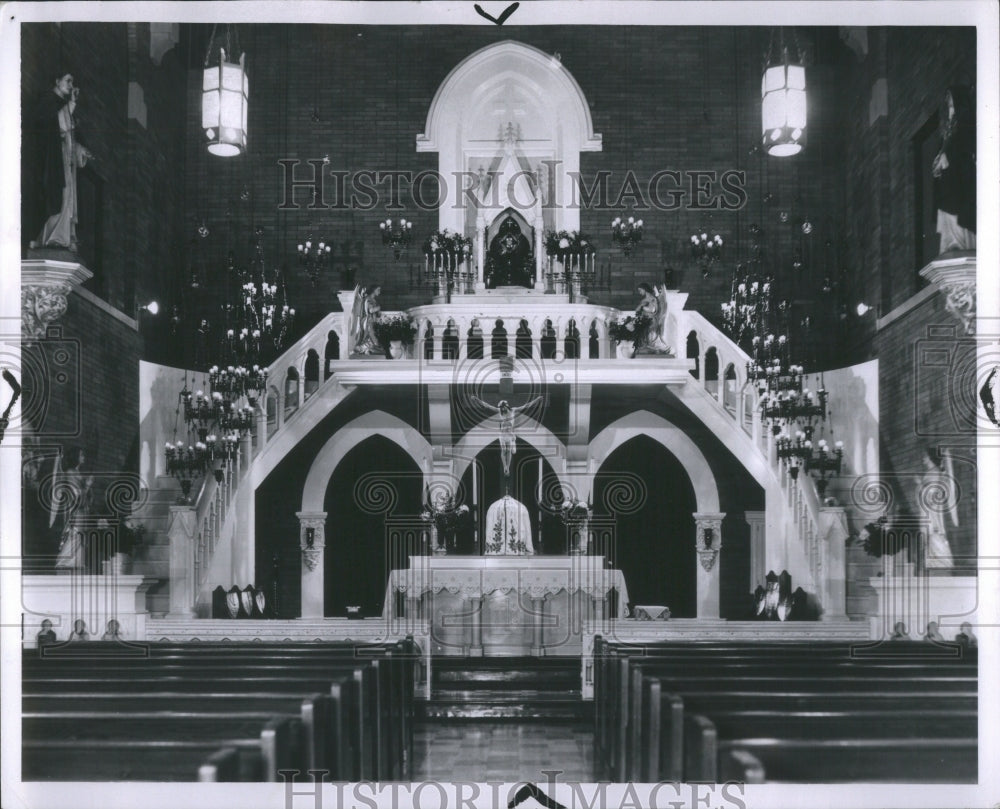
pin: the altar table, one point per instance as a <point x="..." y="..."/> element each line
<point x="506" y="605"/>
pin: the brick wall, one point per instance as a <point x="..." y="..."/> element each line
<point x="928" y="400"/>
<point x="92" y="399"/>
<point x="689" y="102"/>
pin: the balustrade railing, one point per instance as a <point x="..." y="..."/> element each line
<point x="474" y="328"/>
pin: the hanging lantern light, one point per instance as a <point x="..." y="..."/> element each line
<point x="225" y="92"/>
<point x="783" y="100"/>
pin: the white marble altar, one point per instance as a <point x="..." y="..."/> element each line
<point x="506" y="605"/>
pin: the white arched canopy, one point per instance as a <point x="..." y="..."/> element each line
<point x="674" y="439"/>
<point x="377" y="422"/>
<point x="509" y="90"/>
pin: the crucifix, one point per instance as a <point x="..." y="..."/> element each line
<point x="508" y="440"/>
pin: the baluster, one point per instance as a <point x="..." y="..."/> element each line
<point x="536" y="325"/>
<point x="439" y="341"/>
<point x="463" y="337"/>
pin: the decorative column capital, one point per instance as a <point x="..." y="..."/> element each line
<point x="956" y="278"/>
<point x="708" y="537"/>
<point x="45" y="288"/>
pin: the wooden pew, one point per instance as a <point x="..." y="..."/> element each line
<point x="390" y="687"/>
<point x="623" y="693"/>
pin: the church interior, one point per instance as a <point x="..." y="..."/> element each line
<point x="591" y="398"/>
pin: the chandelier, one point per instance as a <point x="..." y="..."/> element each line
<point x="225" y="92"/>
<point x="396" y="235"/>
<point x="825" y="462"/>
<point x="256" y="321"/>
<point x="626" y="233"/>
<point x="783" y="99"/>
<point x="706" y="250"/>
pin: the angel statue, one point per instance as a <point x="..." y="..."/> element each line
<point x="71" y="495"/>
<point x="653" y="306"/>
<point x="364" y="314"/>
<point x="508" y="442"/>
<point x="937" y="495"/>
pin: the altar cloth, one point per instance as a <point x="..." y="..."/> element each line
<point x="535" y="576"/>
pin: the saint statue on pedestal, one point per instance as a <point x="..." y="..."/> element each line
<point x="954" y="172"/>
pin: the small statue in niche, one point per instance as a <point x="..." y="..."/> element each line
<point x="508" y="262"/>
<point x="954" y="171"/>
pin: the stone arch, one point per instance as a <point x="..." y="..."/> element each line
<point x="674" y="439"/>
<point x="528" y="429"/>
<point x="557" y="116"/>
<point x="348" y="437"/>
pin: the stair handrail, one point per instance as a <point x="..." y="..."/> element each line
<point x="801" y="498"/>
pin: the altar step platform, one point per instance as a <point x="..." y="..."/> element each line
<point x="517" y="688"/>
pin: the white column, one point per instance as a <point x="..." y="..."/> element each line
<point x="480" y="253"/>
<point x="312" y="542"/>
<point x="539" y="257"/>
<point x="833" y="534"/>
<point x="758" y="550"/>
<point x="538" y="625"/>
<point x="708" y="543"/>
<point x="181" y="531"/>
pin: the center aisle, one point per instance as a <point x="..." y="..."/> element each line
<point x="504" y="719"/>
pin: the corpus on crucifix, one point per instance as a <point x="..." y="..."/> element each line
<point x="507" y="414"/>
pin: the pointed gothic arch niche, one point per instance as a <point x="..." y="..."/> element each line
<point x="644" y="491"/>
<point x="524" y="487"/>
<point x="376" y="483"/>
<point x="509" y="83"/>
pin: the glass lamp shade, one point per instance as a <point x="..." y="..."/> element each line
<point x="783" y="109"/>
<point x="225" y="91"/>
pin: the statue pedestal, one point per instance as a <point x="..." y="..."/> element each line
<point x="47" y="278"/>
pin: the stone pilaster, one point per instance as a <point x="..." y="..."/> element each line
<point x="312" y="542"/>
<point x="708" y="544"/>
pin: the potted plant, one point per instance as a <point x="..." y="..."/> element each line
<point x="628" y="333"/>
<point x="394" y="333"/>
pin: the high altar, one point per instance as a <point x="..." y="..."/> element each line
<point x="507" y="605"/>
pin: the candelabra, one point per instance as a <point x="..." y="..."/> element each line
<point x="448" y="262"/>
<point x="314" y="258"/>
<point x="706" y="251"/>
<point x="626" y="233"/>
<point x="396" y="235"/>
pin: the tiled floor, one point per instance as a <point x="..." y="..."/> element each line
<point x="502" y="751"/>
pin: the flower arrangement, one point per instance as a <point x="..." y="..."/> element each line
<point x="873" y="539"/>
<point x="395" y="327"/>
<point x="631" y="329"/>
<point x="445" y="241"/>
<point x="563" y="243"/>
<point x="574" y="511"/>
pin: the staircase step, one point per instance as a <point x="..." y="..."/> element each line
<point x="570" y="672"/>
<point x="567" y="709"/>
<point x="508" y="696"/>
